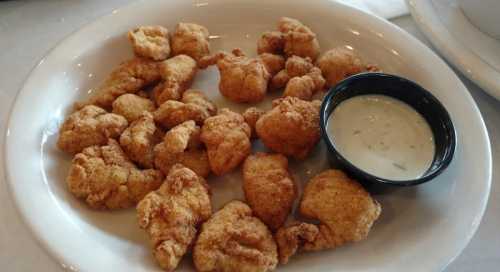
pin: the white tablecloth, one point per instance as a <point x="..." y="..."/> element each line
<point x="28" y="29"/>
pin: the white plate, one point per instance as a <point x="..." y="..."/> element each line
<point x="473" y="52"/>
<point x="421" y="228"/>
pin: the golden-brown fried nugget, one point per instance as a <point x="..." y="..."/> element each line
<point x="300" y="87"/>
<point x="345" y="210"/>
<point x="182" y="145"/>
<point x="197" y="98"/>
<point x="242" y="79"/>
<point x="193" y="106"/>
<point x="89" y="126"/>
<point x="293" y="237"/>
<point x="194" y="159"/>
<point x="291" y="127"/>
<point x="227" y="138"/>
<point x="172" y="214"/>
<point x="177" y="74"/>
<point x="182" y="137"/>
<point x="130" y="77"/>
<point x="273" y="63"/>
<point x="150" y="42"/>
<point x="339" y="63"/>
<point x="272" y="42"/>
<point x="299" y="39"/>
<point x="132" y="106"/>
<point x="191" y="39"/>
<point x="233" y="240"/>
<point x="139" y="139"/>
<point x="269" y="188"/>
<point x="297" y="67"/>
<point x="251" y="115"/>
<point x="106" y="178"/>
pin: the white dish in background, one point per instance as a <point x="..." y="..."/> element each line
<point x="422" y="228"/>
<point x="474" y="53"/>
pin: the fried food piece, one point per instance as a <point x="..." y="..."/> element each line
<point x="194" y="159"/>
<point x="304" y="87"/>
<point x="227" y="138"/>
<point x="197" y="98"/>
<point x="132" y="106"/>
<point x="177" y="74"/>
<point x="191" y="39"/>
<point x="300" y="87"/>
<point x="242" y="79"/>
<point x="299" y="39"/>
<point x="293" y="237"/>
<point x="171" y="214"/>
<point x="150" y="42"/>
<point x="193" y="106"/>
<point x="346" y="211"/>
<point x="107" y="179"/>
<point x="251" y="115"/>
<point x="139" y="139"/>
<point x="291" y="127"/>
<point x="272" y="42"/>
<point x="298" y="66"/>
<point x="182" y="145"/>
<point x="273" y="63"/>
<point x="269" y="188"/>
<point x="339" y="63"/>
<point x="182" y="136"/>
<point x="233" y="240"/>
<point x="87" y="127"/>
<point x="130" y="77"/>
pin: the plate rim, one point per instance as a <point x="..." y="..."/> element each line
<point x="63" y="260"/>
<point x="425" y="17"/>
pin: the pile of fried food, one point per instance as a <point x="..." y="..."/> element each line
<point x="145" y="139"/>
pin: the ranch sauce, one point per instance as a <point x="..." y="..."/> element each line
<point x="382" y="136"/>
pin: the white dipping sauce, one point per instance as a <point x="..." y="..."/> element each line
<point x="382" y="136"/>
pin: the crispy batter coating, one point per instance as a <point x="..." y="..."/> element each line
<point x="299" y="39"/>
<point x="233" y="240"/>
<point x="193" y="106"/>
<point x="132" y="106"/>
<point x="291" y="238"/>
<point x="300" y="87"/>
<point x="339" y="63"/>
<point x="272" y="42"/>
<point x="296" y="67"/>
<point x="251" y="115"/>
<point x="197" y="98"/>
<point x="242" y="79"/>
<point x="150" y="42"/>
<point x="177" y="74"/>
<point x="273" y="63"/>
<point x="291" y="127"/>
<point x="139" y="139"/>
<point x="106" y="178"/>
<point x="345" y="210"/>
<point x="171" y="214"/>
<point x="87" y="127"/>
<point x="191" y="39"/>
<point x="227" y="138"/>
<point x="182" y="145"/>
<point x="130" y="77"/>
<point x="183" y="136"/>
<point x="269" y="188"/>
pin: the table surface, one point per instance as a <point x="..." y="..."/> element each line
<point x="28" y="29"/>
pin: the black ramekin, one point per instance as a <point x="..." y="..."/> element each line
<point x="407" y="91"/>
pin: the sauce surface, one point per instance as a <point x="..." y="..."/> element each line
<point x="382" y="136"/>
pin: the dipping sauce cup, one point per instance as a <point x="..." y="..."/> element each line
<point x="396" y="89"/>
